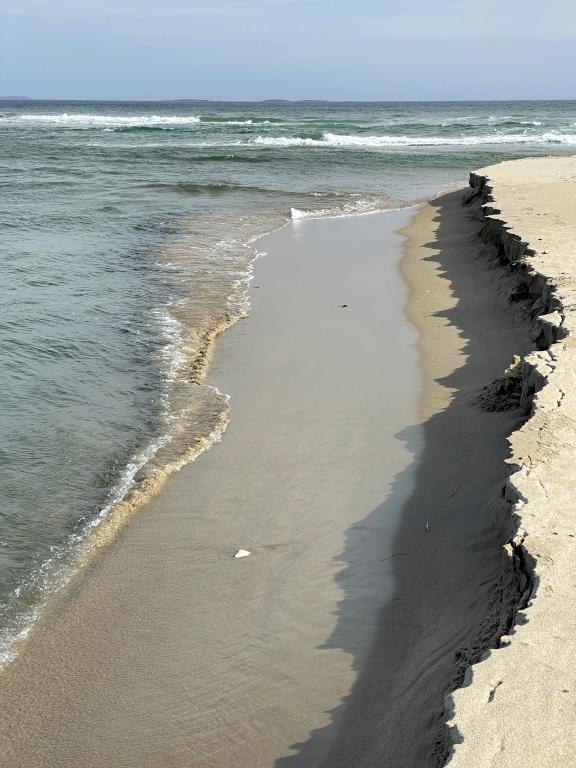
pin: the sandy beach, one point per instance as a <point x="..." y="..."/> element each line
<point x="518" y="705"/>
<point x="363" y="468"/>
<point x="288" y="385"/>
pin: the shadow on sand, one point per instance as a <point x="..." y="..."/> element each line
<point x="449" y="564"/>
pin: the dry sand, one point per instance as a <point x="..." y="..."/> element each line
<point x="377" y="570"/>
<point x="519" y="703"/>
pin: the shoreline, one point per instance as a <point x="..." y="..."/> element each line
<point x="144" y="476"/>
<point x="159" y="631"/>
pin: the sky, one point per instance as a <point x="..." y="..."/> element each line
<point x="290" y="49"/>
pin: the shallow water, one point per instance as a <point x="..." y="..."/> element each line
<point x="126" y="244"/>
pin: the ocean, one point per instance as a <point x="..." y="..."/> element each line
<point x="129" y="230"/>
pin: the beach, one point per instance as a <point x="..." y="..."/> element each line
<point x="517" y="704"/>
<point x="129" y="233"/>
<point x="371" y="403"/>
<point x="288" y="381"/>
<point x="363" y="469"/>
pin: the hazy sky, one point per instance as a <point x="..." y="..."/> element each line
<point x="253" y="49"/>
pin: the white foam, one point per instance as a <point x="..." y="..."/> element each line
<point x="286" y="141"/>
<point x="109" y="121"/>
<point x="207" y="121"/>
<point x="356" y="208"/>
<point x="87" y="120"/>
<point x="173" y="354"/>
<point x="344" y="141"/>
<point x="375" y="142"/>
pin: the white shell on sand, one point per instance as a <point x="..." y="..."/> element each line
<point x="242" y="553"/>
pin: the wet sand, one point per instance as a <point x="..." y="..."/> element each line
<point x="166" y="650"/>
<point x="367" y="489"/>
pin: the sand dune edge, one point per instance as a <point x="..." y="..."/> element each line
<point x="519" y="702"/>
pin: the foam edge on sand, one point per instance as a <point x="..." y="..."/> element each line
<point x="517" y="705"/>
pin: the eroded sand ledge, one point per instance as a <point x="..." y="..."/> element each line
<point x="518" y="705"/>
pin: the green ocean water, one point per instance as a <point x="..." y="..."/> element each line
<point x="127" y="241"/>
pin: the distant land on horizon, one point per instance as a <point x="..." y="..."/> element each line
<point x="284" y="101"/>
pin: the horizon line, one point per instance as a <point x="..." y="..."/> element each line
<point x="286" y="101"/>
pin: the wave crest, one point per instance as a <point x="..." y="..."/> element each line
<point x="108" y="121"/>
<point x="375" y="142"/>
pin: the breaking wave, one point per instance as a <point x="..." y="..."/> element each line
<point x="376" y="142"/>
<point x="77" y="120"/>
<point x="354" y="208"/>
<point x="123" y="122"/>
